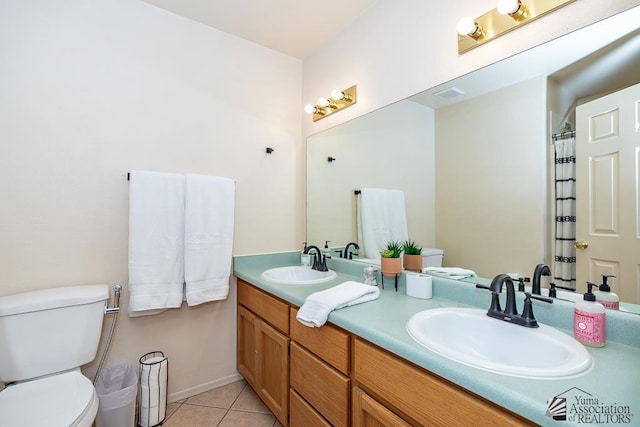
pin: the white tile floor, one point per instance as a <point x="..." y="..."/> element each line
<point x="235" y="404"/>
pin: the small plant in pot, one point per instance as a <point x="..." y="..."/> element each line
<point x="412" y="257"/>
<point x="390" y="261"/>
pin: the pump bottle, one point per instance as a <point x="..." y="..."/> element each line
<point x="604" y="295"/>
<point x="305" y="259"/>
<point x="589" y="320"/>
<point x="326" y="251"/>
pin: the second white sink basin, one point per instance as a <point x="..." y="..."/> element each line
<point x="469" y="336"/>
<point x="297" y="275"/>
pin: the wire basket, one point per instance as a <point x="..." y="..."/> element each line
<point x="152" y="408"/>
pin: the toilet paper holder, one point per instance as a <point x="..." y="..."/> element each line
<point x="152" y="407"/>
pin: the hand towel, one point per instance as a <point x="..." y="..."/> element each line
<point x="156" y="242"/>
<point x="317" y="306"/>
<point x="381" y="218"/>
<point x="450" y="272"/>
<point x="208" y="231"/>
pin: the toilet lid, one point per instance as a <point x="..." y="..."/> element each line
<point x="57" y="400"/>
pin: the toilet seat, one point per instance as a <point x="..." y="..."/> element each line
<point x="67" y="399"/>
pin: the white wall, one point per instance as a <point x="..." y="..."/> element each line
<point x="399" y="48"/>
<point x="91" y="90"/>
<point x="364" y="160"/>
<point x="491" y="180"/>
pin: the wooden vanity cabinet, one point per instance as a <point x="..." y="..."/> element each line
<point x="319" y="368"/>
<point x="389" y="386"/>
<point x="263" y="347"/>
<point x="319" y="377"/>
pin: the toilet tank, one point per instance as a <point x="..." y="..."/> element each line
<point x="432" y="257"/>
<point x="49" y="331"/>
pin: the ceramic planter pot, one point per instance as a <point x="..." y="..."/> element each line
<point x="412" y="262"/>
<point x="391" y="266"/>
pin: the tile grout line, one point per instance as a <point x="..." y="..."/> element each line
<point x="246" y="384"/>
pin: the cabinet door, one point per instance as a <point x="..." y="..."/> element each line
<point x="367" y="412"/>
<point x="247" y="358"/>
<point x="273" y="371"/>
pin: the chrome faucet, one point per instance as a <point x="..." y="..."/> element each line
<point x="510" y="313"/>
<point x="347" y="254"/>
<point x="319" y="260"/>
<point x="541" y="270"/>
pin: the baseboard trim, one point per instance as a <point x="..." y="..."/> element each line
<point x="201" y="388"/>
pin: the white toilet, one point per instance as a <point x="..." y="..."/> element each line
<point x="45" y="336"/>
<point x="432" y="257"/>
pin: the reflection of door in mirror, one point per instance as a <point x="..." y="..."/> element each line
<point x="608" y="211"/>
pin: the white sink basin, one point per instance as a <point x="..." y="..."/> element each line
<point x="297" y="275"/>
<point x="469" y="336"/>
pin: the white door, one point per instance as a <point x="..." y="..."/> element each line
<point x="607" y="192"/>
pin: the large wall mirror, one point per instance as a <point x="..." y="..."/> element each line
<point x="475" y="156"/>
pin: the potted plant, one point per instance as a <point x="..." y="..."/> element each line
<point x="390" y="262"/>
<point x="412" y="258"/>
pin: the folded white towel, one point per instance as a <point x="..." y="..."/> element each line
<point x="208" y="237"/>
<point x="450" y="272"/>
<point x="381" y="218"/>
<point x="156" y="242"/>
<point x="317" y="307"/>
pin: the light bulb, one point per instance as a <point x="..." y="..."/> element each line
<point x="467" y="26"/>
<point x="508" y="7"/>
<point x="309" y="109"/>
<point x="337" y="94"/>
<point x="323" y="102"/>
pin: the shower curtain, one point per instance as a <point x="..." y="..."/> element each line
<point x="565" y="176"/>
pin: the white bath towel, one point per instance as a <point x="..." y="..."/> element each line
<point x="317" y="306"/>
<point x="208" y="237"/>
<point x="381" y="218"/>
<point x="450" y="272"/>
<point x="156" y="242"/>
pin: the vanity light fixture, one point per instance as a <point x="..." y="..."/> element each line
<point x="508" y="15"/>
<point x="326" y="106"/>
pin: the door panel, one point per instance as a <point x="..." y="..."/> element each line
<point x="608" y="192"/>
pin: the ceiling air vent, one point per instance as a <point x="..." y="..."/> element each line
<point x="449" y="93"/>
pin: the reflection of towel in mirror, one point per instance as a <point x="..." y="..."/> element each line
<point x="381" y="218"/>
<point x="317" y="307"/>
<point x="450" y="272"/>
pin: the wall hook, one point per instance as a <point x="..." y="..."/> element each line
<point x="331" y="159"/>
<point x="269" y="150"/>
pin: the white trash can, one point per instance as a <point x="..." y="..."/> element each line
<point x="116" y="387"/>
<point x="152" y="408"/>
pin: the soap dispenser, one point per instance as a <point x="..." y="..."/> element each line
<point x="326" y="251"/>
<point x="604" y="295"/>
<point x="305" y="258"/>
<point x="589" y="320"/>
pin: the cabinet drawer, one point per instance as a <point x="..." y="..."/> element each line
<point x="368" y="412"/>
<point x="425" y="397"/>
<point x="329" y="343"/>
<point x="323" y="387"/>
<point x="272" y="310"/>
<point x="302" y="414"/>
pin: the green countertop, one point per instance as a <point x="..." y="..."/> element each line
<point x="611" y="385"/>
